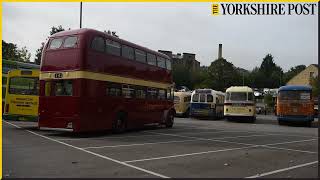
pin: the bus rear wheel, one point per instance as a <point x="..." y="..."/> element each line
<point x="170" y="120"/>
<point x="119" y="125"/>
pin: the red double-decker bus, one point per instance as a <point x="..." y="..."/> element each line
<point x="92" y="81"/>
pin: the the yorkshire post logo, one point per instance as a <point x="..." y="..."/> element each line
<point x="264" y="9"/>
<point x="215" y="9"/>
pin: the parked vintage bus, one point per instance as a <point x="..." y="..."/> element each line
<point x="295" y="104"/>
<point x="22" y="95"/>
<point x="92" y="81"/>
<point x="240" y="103"/>
<point x="8" y="65"/>
<point x="207" y="103"/>
<point x="182" y="103"/>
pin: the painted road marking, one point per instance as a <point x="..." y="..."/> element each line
<point x="282" y="170"/>
<point x="95" y="154"/>
<point x="166" y="142"/>
<point x="189" y="154"/>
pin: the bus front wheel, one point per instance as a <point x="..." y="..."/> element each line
<point x="170" y="119"/>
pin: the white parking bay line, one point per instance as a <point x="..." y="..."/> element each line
<point x="141" y="144"/>
<point x="166" y="142"/>
<point x="282" y="170"/>
<point x="95" y="154"/>
<point x="190" y="154"/>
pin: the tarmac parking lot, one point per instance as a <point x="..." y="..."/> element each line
<point x="191" y="149"/>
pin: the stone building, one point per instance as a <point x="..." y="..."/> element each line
<point x="185" y="59"/>
<point x="304" y="77"/>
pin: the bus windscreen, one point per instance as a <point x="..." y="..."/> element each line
<point x="24" y="85"/>
<point x="238" y="96"/>
<point x="294" y="95"/>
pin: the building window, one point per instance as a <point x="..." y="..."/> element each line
<point x="151" y="59"/>
<point x="311" y="74"/>
<point x="113" y="47"/>
<point x="127" y="52"/>
<point x="98" y="44"/>
<point x="141" y="56"/>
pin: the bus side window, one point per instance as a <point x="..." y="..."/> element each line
<point x="195" y="98"/>
<point x="140" y="92"/>
<point x="127" y="91"/>
<point x="250" y="96"/>
<point x="47" y="88"/>
<point x="152" y="93"/>
<point x="127" y="52"/>
<point x="113" y="89"/>
<point x="98" y="44"/>
<point x="162" y="94"/>
<point x="209" y="98"/>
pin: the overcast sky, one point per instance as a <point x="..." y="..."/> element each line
<point x="178" y="27"/>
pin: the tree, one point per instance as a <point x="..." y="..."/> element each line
<point x="223" y="74"/>
<point x="268" y="75"/>
<point x="11" y="52"/>
<point x="293" y="72"/>
<point x="24" y="54"/>
<point x="39" y="51"/>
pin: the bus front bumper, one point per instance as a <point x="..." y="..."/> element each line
<point x="19" y="117"/>
<point x="300" y="118"/>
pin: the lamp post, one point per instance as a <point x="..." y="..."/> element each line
<point x="80" y="15"/>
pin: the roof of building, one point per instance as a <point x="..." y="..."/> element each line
<point x="295" y="88"/>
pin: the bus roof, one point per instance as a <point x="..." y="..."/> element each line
<point x="95" y="32"/>
<point x="208" y="90"/>
<point x="179" y="93"/>
<point x="295" y="88"/>
<point x="239" y="89"/>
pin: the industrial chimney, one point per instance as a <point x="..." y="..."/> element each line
<point x="220" y="51"/>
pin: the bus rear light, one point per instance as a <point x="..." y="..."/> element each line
<point x="7" y="108"/>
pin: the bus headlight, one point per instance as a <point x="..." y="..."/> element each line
<point x="249" y="110"/>
<point x="227" y="109"/>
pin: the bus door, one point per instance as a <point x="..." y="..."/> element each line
<point x="134" y="104"/>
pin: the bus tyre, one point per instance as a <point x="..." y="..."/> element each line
<point x="308" y="123"/>
<point x="280" y="122"/>
<point x="187" y="113"/>
<point x="170" y="120"/>
<point x="119" y="124"/>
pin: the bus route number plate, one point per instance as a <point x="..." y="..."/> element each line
<point x="58" y="75"/>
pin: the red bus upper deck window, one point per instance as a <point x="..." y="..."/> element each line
<point x="168" y="63"/>
<point x="98" y="44"/>
<point x="141" y="56"/>
<point x="56" y="43"/>
<point x="127" y="52"/>
<point x="161" y="62"/>
<point x="151" y="59"/>
<point x="70" y="42"/>
<point x="113" y="47"/>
